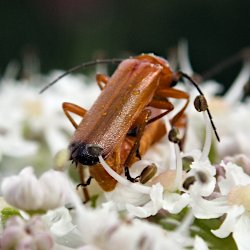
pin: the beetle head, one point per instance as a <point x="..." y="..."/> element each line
<point x="86" y="154"/>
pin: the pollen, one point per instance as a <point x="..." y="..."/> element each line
<point x="239" y="195"/>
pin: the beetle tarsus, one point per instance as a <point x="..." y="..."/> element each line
<point x="84" y="184"/>
<point x="129" y="177"/>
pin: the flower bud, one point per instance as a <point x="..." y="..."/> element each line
<point x="19" y="234"/>
<point x="30" y="194"/>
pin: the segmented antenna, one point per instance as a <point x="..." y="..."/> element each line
<point x="80" y="66"/>
<point x="181" y="74"/>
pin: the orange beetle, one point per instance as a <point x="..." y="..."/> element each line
<point x="125" y="106"/>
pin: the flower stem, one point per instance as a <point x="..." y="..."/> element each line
<point x="208" y="138"/>
<point x="136" y="186"/>
<point x="178" y="177"/>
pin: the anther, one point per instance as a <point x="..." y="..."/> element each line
<point x="147" y="173"/>
<point x="174" y="135"/>
<point x="188" y="182"/>
<point x="186" y="162"/>
<point x="202" y="177"/>
<point x="200" y="103"/>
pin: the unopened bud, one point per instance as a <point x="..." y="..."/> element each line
<point x="35" y="195"/>
<point x="19" y="234"/>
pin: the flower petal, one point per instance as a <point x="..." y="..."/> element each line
<point x="208" y="209"/>
<point x="174" y="203"/>
<point x="151" y="207"/>
<point x="53" y="185"/>
<point x="230" y="221"/>
<point x="234" y="176"/>
<point x="23" y="191"/>
<point x="241" y="232"/>
<point x="200" y="244"/>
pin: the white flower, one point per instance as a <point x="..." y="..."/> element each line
<point x="204" y="174"/>
<point x="229" y="114"/>
<point x="12" y="142"/>
<point x="103" y="229"/>
<point x="199" y="185"/>
<point x="235" y="187"/>
<point x="19" y="234"/>
<point x="62" y="228"/>
<point x="171" y="202"/>
<point x="41" y="114"/>
<point x="158" y="199"/>
<point x="240" y="160"/>
<point x="233" y="201"/>
<point x="28" y="193"/>
<point x="114" y="224"/>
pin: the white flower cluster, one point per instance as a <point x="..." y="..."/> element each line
<point x="34" y="125"/>
<point x="26" y="192"/>
<point x="175" y="210"/>
<point x="26" y="235"/>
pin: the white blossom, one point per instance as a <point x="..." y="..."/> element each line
<point x="62" y="227"/>
<point x="102" y="228"/>
<point x="175" y="194"/>
<point x="12" y="142"/>
<point x="235" y="189"/>
<point x="19" y="234"/>
<point x="28" y="193"/>
<point x="39" y="114"/>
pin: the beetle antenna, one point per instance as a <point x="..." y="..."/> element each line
<point x="80" y="66"/>
<point x="184" y="75"/>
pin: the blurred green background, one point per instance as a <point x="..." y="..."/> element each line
<point x="64" y="33"/>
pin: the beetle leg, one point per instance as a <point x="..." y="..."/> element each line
<point x="177" y="94"/>
<point x="102" y="80"/>
<point x="179" y="119"/>
<point x="142" y="122"/>
<point x="83" y="184"/>
<point x="71" y="107"/>
<point x="160" y="103"/>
